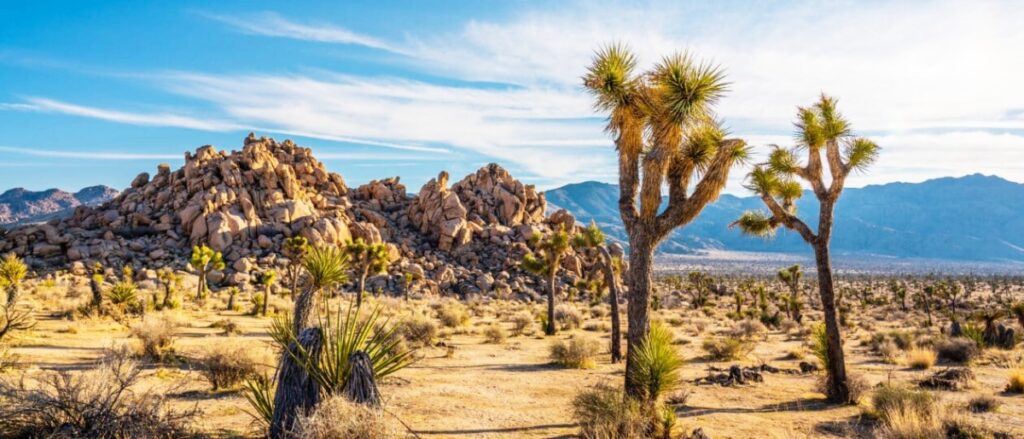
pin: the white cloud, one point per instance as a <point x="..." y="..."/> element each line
<point x="163" y="119"/>
<point x="273" y="25"/>
<point x="88" y="155"/>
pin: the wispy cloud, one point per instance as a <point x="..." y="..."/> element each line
<point x="270" y="24"/>
<point x="88" y="155"/>
<point x="160" y="119"/>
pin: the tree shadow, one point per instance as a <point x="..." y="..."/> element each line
<point x="477" y="431"/>
<point x="799" y="405"/>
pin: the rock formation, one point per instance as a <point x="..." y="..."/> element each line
<point x="467" y="239"/>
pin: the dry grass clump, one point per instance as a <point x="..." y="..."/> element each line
<point x="920" y="359"/>
<point x="983" y="404"/>
<point x="727" y="348"/>
<point x="856" y="383"/>
<point x="521" y="323"/>
<point x="599" y="311"/>
<point x="568" y="317"/>
<point x="339" y="418"/>
<point x="1015" y="381"/>
<point x="494" y="334"/>
<point x="417" y="329"/>
<point x="906" y="414"/>
<point x="749" y="328"/>
<point x="99" y="403"/>
<point x="603" y="413"/>
<point x="577" y="352"/>
<point x="453" y="314"/>
<point x="225" y="366"/>
<point x="156" y="337"/>
<point x="957" y="350"/>
<point x="889" y="352"/>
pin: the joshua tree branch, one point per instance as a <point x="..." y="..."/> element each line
<point x="706" y="191"/>
<point x="788" y="220"/>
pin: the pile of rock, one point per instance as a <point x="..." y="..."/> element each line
<point x="467" y="239"/>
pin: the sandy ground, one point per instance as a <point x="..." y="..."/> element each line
<point x="511" y="390"/>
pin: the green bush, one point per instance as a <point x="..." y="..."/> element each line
<point x="658" y="364"/>
<point x="603" y="413"/>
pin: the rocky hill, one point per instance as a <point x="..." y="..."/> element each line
<point x="972" y="218"/>
<point x="20" y="205"/>
<point x="464" y="239"/>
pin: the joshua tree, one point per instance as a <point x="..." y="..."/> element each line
<point x="204" y="260"/>
<point x="171" y="281"/>
<point x="926" y="298"/>
<point x="12" y="272"/>
<point x="295" y="248"/>
<point x="366" y="258"/>
<point x="791" y="278"/>
<point x="96" y="286"/>
<point x="592" y="239"/>
<point x="327" y="268"/>
<point x="899" y="292"/>
<point x="266" y="280"/>
<point x="700" y="285"/>
<point x="546" y="261"/>
<point x="407" y="280"/>
<point x="663" y="123"/>
<point x="819" y="127"/>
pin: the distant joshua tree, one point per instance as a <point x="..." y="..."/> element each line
<point x="663" y="124"/>
<point x="546" y="261"/>
<point x="791" y="278"/>
<point x="366" y="258"/>
<point x="295" y="248"/>
<point x="819" y="127"/>
<point x="266" y="280"/>
<point x="204" y="260"/>
<point x="592" y="238"/>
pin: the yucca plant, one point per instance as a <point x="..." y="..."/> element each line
<point x="819" y="344"/>
<point x="344" y="333"/>
<point x="259" y="393"/>
<point x="658" y="363"/>
<point x="123" y="293"/>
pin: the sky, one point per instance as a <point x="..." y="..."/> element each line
<point x="97" y="92"/>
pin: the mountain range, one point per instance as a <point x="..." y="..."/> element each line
<point x="20" y="205"/>
<point x="975" y="217"/>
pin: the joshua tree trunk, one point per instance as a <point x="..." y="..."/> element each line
<point x="266" y="299"/>
<point x="167" y="296"/>
<point x="362" y="286"/>
<point x="552" y="288"/>
<point x="201" y="288"/>
<point x="613" y="293"/>
<point x="293" y="292"/>
<point x="97" y="293"/>
<point x="231" y="299"/>
<point x="296" y="391"/>
<point x="641" y="258"/>
<point x="838" y="390"/>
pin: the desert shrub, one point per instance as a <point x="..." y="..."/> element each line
<point x="599" y="311"/>
<point x="577" y="352"/>
<point x="227" y="366"/>
<point x="97" y="403"/>
<point x="658" y="364"/>
<point x="453" y="314"/>
<point x="418" y="330"/>
<point x="494" y="334"/>
<point x="568" y="317"/>
<point x="856" y="383"/>
<point x="597" y="327"/>
<point x="891" y="399"/>
<point x="905" y="423"/>
<point x="339" y="418"/>
<point x="603" y="413"/>
<point x="1015" y="381"/>
<point x="797" y="353"/>
<point x="983" y="404"/>
<point x="156" y="337"/>
<point x="788" y="326"/>
<point x="889" y="351"/>
<point x="749" y="328"/>
<point x="727" y="348"/>
<point x="228" y="326"/>
<point x="957" y="350"/>
<point x="521" y="322"/>
<point x="819" y="343"/>
<point x="921" y="359"/>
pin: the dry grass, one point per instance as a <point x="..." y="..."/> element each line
<point x="494" y="334"/>
<point x="453" y="314"/>
<point x="337" y="418"/>
<point x="1015" y="381"/>
<point x="920" y="359"/>
<point x="727" y="348"/>
<point x="577" y="352"/>
<point x="603" y="413"/>
<point x="156" y="335"/>
<point x="226" y="365"/>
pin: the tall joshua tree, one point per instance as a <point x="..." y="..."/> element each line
<point x="366" y="258"/>
<point x="592" y="240"/>
<point x="546" y="261"/>
<point x="665" y="132"/>
<point x="791" y="278"/>
<point x="820" y="127"/>
<point x="204" y="260"/>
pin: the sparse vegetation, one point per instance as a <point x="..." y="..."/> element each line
<point x="577" y="352"/>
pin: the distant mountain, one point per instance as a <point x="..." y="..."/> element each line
<point x="975" y="217"/>
<point x="20" y="205"/>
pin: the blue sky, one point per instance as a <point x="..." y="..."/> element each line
<point x="96" y="92"/>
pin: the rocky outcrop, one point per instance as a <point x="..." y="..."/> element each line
<point x="465" y="240"/>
